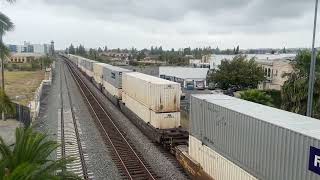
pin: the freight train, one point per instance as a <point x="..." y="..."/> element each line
<point x="151" y="103"/>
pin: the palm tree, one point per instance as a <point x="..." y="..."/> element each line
<point x="294" y="93"/>
<point x="29" y="158"/>
<point x="256" y="96"/>
<point x="5" y="26"/>
<point x="6" y="106"/>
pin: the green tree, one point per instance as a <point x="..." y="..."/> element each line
<point x="237" y="50"/>
<point x="256" y="96"/>
<point x="5" y="25"/>
<point x="81" y="50"/>
<point x="294" y="92"/>
<point x="29" y="158"/>
<point x="141" y="55"/>
<point x="238" y="72"/>
<point x="71" y="49"/>
<point x="6" y="106"/>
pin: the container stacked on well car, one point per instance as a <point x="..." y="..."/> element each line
<point x="86" y="65"/>
<point x="236" y="139"/>
<point x="154" y="100"/>
<point x="112" y="80"/>
<point x="151" y="103"/>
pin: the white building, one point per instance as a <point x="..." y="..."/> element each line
<point x="274" y="71"/>
<point x="41" y="48"/>
<point x="23" y="57"/>
<point x="187" y="77"/>
<point x="274" y="66"/>
<point x="215" y="59"/>
<point x="27" y="47"/>
<point x="198" y="63"/>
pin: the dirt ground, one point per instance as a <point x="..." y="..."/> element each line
<point x="21" y="85"/>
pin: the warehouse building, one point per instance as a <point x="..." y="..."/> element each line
<point x="189" y="78"/>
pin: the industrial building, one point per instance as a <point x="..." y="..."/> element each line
<point x="23" y="57"/>
<point x="189" y="78"/>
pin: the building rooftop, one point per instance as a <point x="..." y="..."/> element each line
<point x="184" y="72"/>
<point x="292" y="121"/>
<point x="216" y="59"/>
<point x="27" y="54"/>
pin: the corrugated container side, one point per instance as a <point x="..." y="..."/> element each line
<point x="195" y="149"/>
<point x="157" y="120"/>
<point x="165" y="120"/>
<point x="217" y="166"/>
<point x="113" y="75"/>
<point x="160" y="97"/>
<point x="97" y="72"/>
<point x="112" y="90"/>
<point x="139" y="109"/>
<point x="263" y="149"/>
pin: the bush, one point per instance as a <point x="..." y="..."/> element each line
<point x="256" y="96"/>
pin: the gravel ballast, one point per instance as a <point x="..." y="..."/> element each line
<point x="100" y="162"/>
<point x="163" y="165"/>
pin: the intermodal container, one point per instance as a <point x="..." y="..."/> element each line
<point x="213" y="163"/>
<point x="155" y="93"/>
<point x="116" y="92"/>
<point x="157" y="120"/>
<point x="86" y="65"/>
<point x="73" y="58"/>
<point x="98" y="71"/>
<point x="113" y="75"/>
<point x="266" y="142"/>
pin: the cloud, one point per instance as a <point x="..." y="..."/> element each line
<point x="175" y="23"/>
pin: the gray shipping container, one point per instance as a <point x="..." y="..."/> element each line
<point x="113" y="75"/>
<point x="89" y="64"/>
<point x="268" y="143"/>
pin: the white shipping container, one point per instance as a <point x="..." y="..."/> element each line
<point x="157" y="94"/>
<point x="217" y="166"/>
<point x="112" y="90"/>
<point x="136" y="107"/>
<point x="157" y="120"/>
<point x="98" y="71"/>
<point x="165" y="120"/>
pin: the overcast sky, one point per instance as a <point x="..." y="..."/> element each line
<point x="170" y="23"/>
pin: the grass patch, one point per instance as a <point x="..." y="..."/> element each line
<point x="21" y="85"/>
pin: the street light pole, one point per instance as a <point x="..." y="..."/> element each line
<point x="2" y="76"/>
<point x="312" y="65"/>
<point x="2" y="67"/>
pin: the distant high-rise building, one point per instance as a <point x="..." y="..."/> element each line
<point x="13" y="48"/>
<point x="52" y="48"/>
<point x="27" y="47"/>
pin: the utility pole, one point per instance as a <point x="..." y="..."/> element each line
<point x="2" y="75"/>
<point x="312" y="65"/>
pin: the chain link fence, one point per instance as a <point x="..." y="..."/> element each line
<point x="22" y="114"/>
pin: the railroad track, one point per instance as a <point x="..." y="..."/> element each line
<point x="69" y="136"/>
<point x="129" y="162"/>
